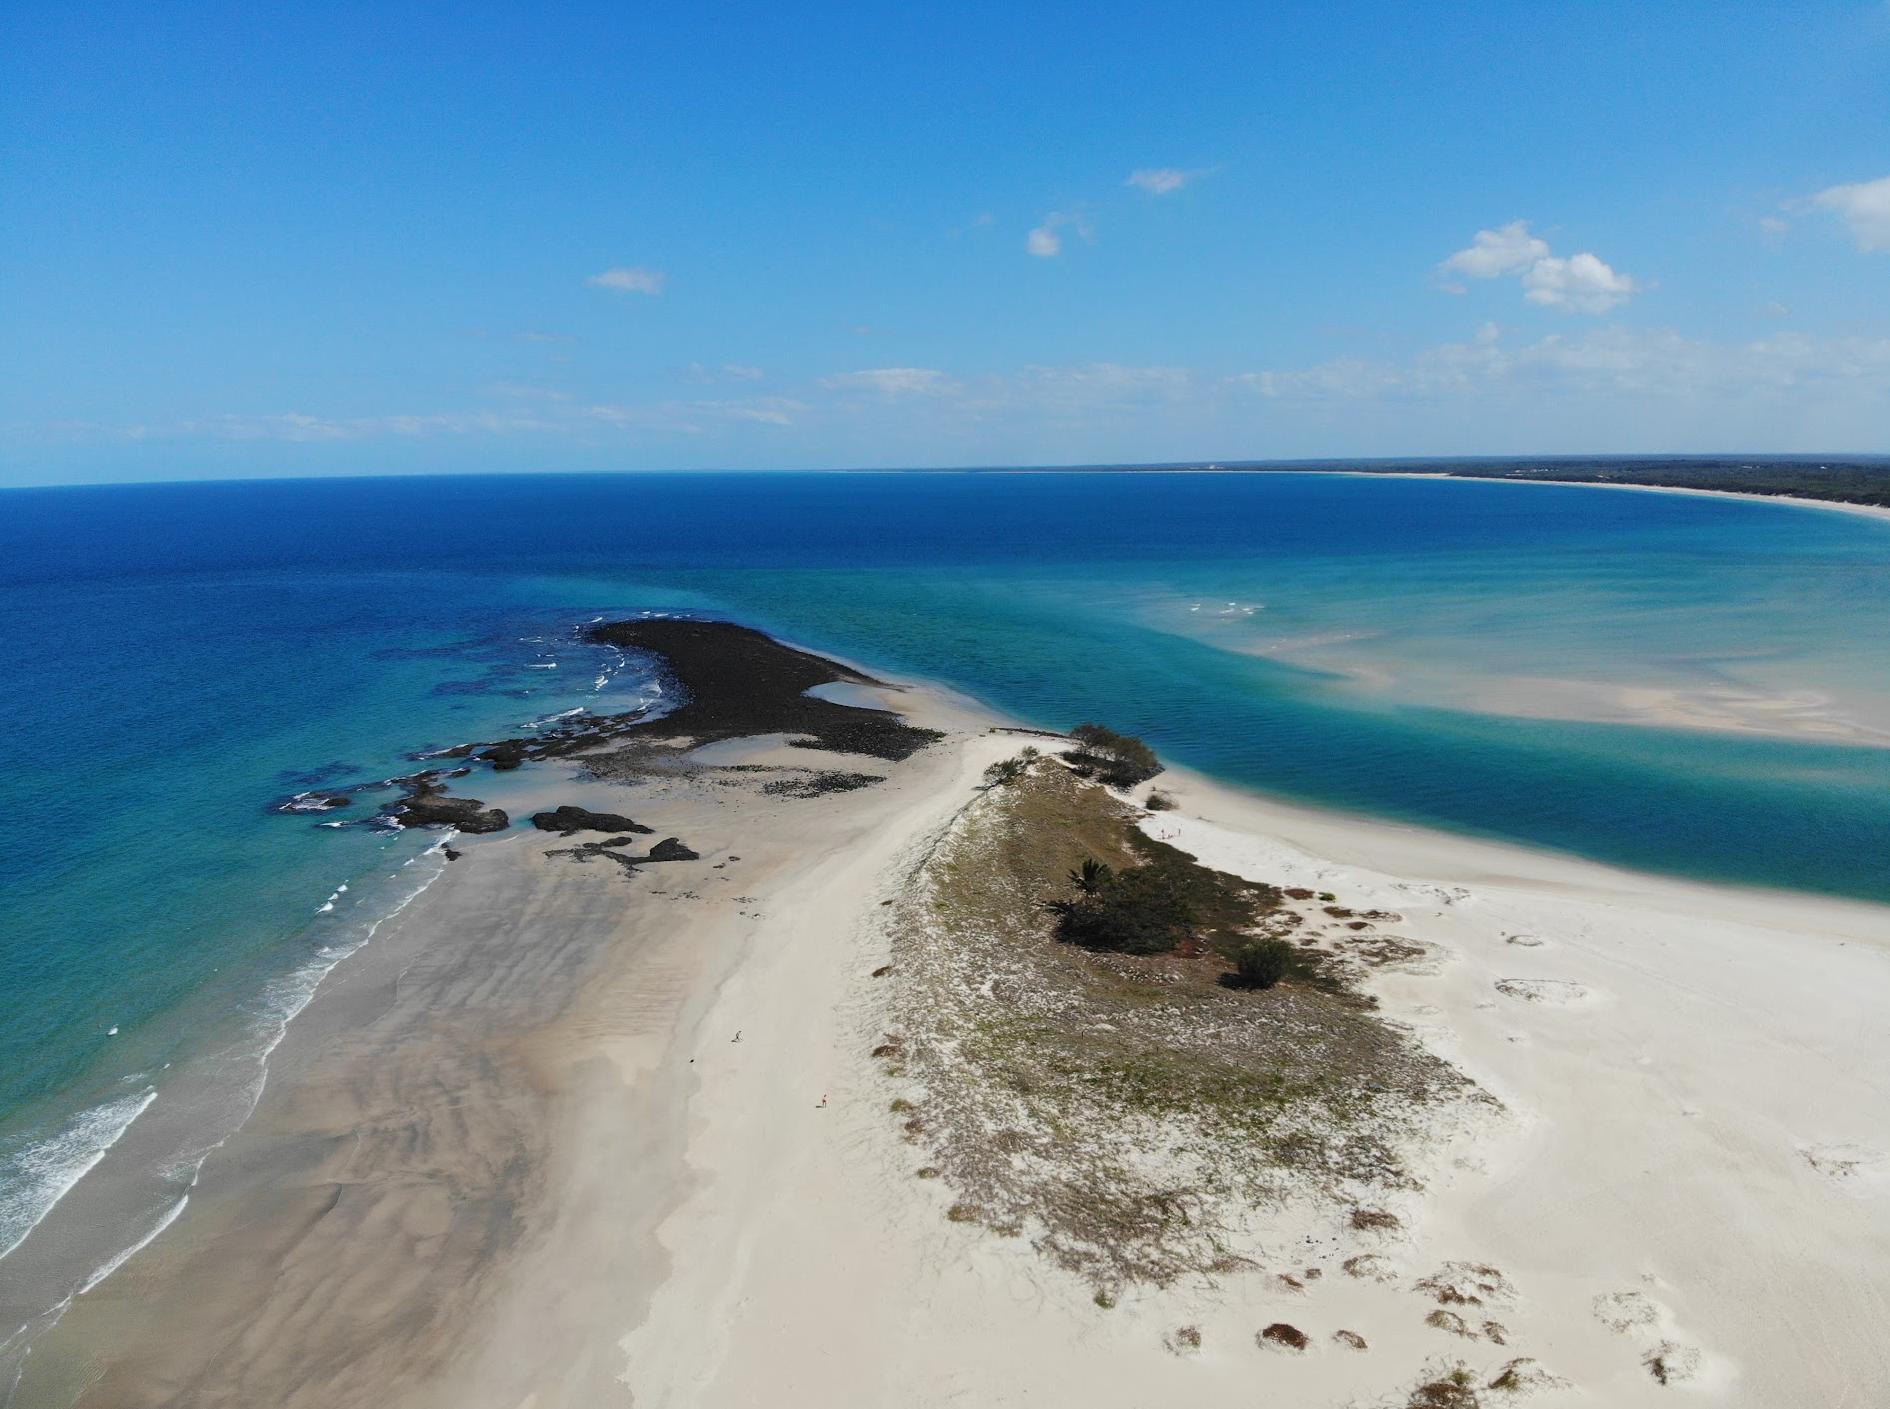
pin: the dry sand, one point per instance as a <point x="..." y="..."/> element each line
<point x="564" y="1137"/>
<point x="1696" y="1081"/>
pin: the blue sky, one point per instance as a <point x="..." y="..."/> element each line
<point x="269" y="240"/>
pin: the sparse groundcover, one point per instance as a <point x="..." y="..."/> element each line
<point x="1126" y="1112"/>
<point x="1455" y="1388"/>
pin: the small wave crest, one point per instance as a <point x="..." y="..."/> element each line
<point x="35" y="1178"/>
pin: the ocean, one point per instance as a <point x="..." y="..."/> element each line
<point x="1506" y="660"/>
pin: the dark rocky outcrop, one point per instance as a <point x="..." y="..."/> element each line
<point x="820" y="784"/>
<point x="432" y="809"/>
<point x="736" y="682"/>
<point x="313" y="802"/>
<point x="569" y="820"/>
<point x="668" y="849"/>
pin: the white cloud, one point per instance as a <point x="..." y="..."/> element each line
<point x="1161" y="180"/>
<point x="1606" y="364"/>
<point x="706" y="375"/>
<point x="1508" y="249"/>
<point x="893" y="381"/>
<point x="630" y="279"/>
<point x="1864" y="206"/>
<point x="1581" y="283"/>
<point x="1046" y="243"/>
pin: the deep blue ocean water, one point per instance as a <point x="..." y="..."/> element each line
<point x="178" y="657"/>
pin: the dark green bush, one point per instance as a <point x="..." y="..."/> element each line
<point x="1141" y="910"/>
<point x="1118" y="759"/>
<point x="1263" y="962"/>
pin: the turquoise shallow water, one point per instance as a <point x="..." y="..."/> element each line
<point x="180" y="656"/>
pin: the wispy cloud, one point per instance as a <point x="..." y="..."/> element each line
<point x="1580" y="283"/>
<point x="1607" y="363"/>
<point x="630" y="279"/>
<point x="892" y="381"/>
<point x="704" y="375"/>
<point x="1046" y="242"/>
<point x="1864" y="207"/>
<point x="1162" y="180"/>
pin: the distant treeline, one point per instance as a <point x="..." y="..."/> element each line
<point x="1846" y="479"/>
<point x="1852" y="480"/>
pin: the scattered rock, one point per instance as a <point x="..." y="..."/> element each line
<point x="313" y="802"/>
<point x="820" y="784"/>
<point x="671" y="849"/>
<point x="467" y="814"/>
<point x="569" y="820"/>
<point x="1352" y="1340"/>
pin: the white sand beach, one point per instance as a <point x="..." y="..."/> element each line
<point x="569" y="1137"/>
<point x="1692" y="1157"/>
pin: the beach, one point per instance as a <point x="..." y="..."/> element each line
<point x="571" y="1132"/>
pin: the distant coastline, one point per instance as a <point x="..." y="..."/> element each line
<point x="1843" y="506"/>
<point x="1860" y="482"/>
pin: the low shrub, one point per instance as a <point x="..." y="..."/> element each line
<point x="1263" y="962"/>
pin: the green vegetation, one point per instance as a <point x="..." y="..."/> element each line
<point x="1010" y="770"/>
<point x="1119" y="760"/>
<point x="1143" y="910"/>
<point x="1037" y="1057"/>
<point x="1455" y="1389"/>
<point x="1264" y="962"/>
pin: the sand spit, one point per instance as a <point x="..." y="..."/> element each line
<point x="599" y="1135"/>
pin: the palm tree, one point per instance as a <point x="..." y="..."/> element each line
<point x="1091" y="876"/>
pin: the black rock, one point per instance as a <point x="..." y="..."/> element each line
<point x="671" y="849"/>
<point x="468" y="814"/>
<point x="567" y="820"/>
<point x="313" y="802"/>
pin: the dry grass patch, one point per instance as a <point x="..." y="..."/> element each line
<point x="1144" y="1107"/>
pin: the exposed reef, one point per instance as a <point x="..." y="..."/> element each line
<point x="569" y="820"/>
<point x="721" y="681"/>
<point x="428" y="806"/>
